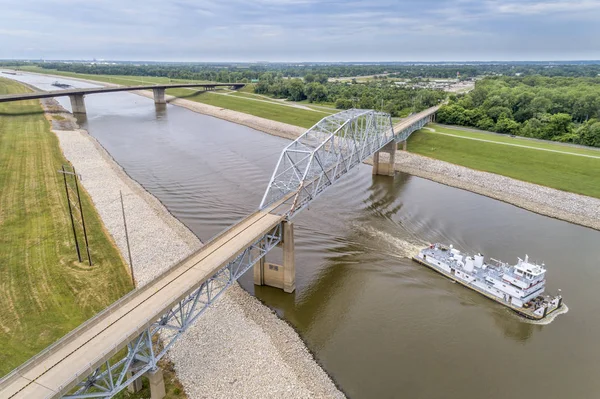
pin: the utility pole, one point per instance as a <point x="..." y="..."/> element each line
<point x="127" y="239"/>
<point x="71" y="213"/>
<point x="87" y="246"/>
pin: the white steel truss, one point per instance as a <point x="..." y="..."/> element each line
<point x="324" y="153"/>
<point x="408" y="130"/>
<point x="145" y="350"/>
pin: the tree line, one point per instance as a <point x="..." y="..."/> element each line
<point x="239" y="72"/>
<point x="381" y="95"/>
<point x="562" y="109"/>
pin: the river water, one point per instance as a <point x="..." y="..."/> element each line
<point x="381" y="325"/>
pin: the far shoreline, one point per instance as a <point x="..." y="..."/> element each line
<point x="539" y="199"/>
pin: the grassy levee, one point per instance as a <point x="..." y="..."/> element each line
<point x="267" y="110"/>
<point x="563" y="171"/>
<point x="44" y="291"/>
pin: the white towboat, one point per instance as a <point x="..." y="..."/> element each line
<point x="519" y="287"/>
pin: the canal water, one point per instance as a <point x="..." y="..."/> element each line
<point x="381" y="325"/>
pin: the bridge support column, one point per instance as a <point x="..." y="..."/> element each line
<point x="403" y="145"/>
<point x="289" y="258"/>
<point x="77" y="103"/>
<point x="136" y="385"/>
<point x="385" y="168"/>
<point x="279" y="276"/>
<point x="157" y="384"/>
<point x="259" y="272"/>
<point x="159" y="96"/>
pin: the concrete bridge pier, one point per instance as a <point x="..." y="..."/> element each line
<point x="279" y="276"/>
<point x="385" y="168"/>
<point x="77" y="103"/>
<point x="159" y="96"/>
<point x="157" y="384"/>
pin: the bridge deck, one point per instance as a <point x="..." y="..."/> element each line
<point x="404" y="123"/>
<point x="54" y="372"/>
<point x="93" y="90"/>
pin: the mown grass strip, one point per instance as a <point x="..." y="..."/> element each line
<point x="44" y="291"/>
<point x="561" y="171"/>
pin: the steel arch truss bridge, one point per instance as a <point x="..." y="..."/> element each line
<point x="324" y="153"/>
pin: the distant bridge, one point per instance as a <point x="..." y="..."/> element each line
<point x="76" y="95"/>
<point x="125" y="341"/>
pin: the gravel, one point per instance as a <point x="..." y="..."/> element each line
<point x="238" y="347"/>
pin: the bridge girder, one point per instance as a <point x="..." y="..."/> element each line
<point x="324" y="153"/>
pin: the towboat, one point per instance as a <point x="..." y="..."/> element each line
<point x="519" y="287"/>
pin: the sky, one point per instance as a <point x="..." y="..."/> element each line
<point x="300" y="30"/>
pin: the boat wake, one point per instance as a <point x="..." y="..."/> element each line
<point x="550" y="318"/>
<point x="397" y="247"/>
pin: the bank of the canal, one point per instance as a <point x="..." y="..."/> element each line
<point x="380" y="324"/>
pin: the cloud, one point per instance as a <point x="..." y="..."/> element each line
<point x="549" y="7"/>
<point x="299" y="30"/>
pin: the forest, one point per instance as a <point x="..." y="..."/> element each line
<point x="378" y="94"/>
<point x="563" y="109"/>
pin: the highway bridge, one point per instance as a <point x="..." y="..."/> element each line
<point x="78" y="104"/>
<point x="115" y="348"/>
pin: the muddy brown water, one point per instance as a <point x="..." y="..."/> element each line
<point x="381" y="325"/>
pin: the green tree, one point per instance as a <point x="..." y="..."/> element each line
<point x="295" y="89"/>
<point x="309" y="78"/>
<point x="558" y="125"/>
<point x="589" y="133"/>
<point x="315" y="92"/>
<point x="507" y="125"/>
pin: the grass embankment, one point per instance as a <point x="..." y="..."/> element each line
<point x="268" y="110"/>
<point x="44" y="291"/>
<point x="547" y="164"/>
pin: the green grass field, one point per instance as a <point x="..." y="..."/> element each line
<point x="44" y="291"/>
<point x="563" y="171"/>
